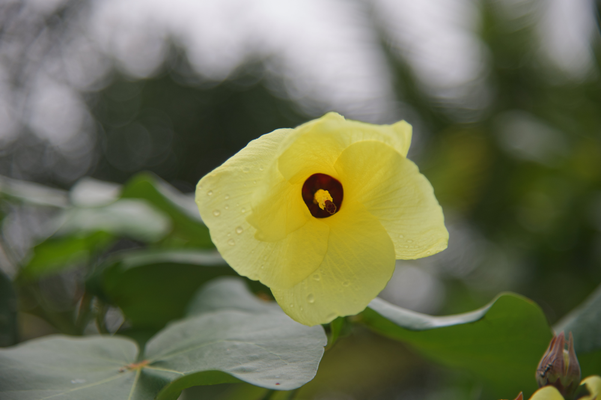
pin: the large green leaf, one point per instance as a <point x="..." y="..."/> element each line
<point x="181" y="208"/>
<point x="585" y="324"/>
<point x="257" y="344"/>
<point x="80" y="232"/>
<point x="501" y="343"/>
<point x="8" y="312"/>
<point x="153" y="287"/>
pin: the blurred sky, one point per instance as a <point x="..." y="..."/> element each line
<point x="54" y="53"/>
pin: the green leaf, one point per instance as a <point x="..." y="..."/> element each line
<point x="181" y="208"/>
<point x="82" y="232"/>
<point x="68" y="368"/>
<point x="89" y="192"/>
<point x="585" y="324"/>
<point x="153" y="287"/>
<point x="8" y="312"/>
<point x="32" y="193"/>
<point x="229" y="293"/>
<point x="57" y="254"/>
<point x="263" y="347"/>
<point x="501" y="343"/>
<point x="134" y="219"/>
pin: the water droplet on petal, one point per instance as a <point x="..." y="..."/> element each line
<point x="231" y="242"/>
<point x="210" y="193"/>
<point x="216" y="213"/>
<point x="227" y="196"/>
<point x="227" y="207"/>
<point x="239" y="230"/>
<point x="409" y="241"/>
<point x="345" y="284"/>
<point x="261" y="168"/>
<point x="243" y="210"/>
<point x="291" y="305"/>
<point x="401" y="236"/>
<point x="316" y="277"/>
<point x="331" y="316"/>
<point x="311" y="298"/>
<point x="245" y="169"/>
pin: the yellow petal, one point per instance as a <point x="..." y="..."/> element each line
<point x="224" y="198"/>
<point x="593" y="385"/>
<point x="357" y="265"/>
<point x="547" y="393"/>
<point x="314" y="147"/>
<point x="278" y="210"/>
<point x="392" y="189"/>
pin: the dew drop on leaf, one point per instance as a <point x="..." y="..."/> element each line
<point x="210" y="193"/>
<point x="239" y="230"/>
<point x="311" y="298"/>
<point x="216" y="213"/>
<point x="231" y="242"/>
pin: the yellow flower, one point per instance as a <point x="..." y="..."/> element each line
<point x="593" y="385"/>
<point x="320" y="213"/>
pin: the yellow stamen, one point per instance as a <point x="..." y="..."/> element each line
<point x="325" y="201"/>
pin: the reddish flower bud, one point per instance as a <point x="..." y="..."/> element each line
<point x="559" y="367"/>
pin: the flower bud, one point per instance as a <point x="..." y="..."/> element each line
<point x="559" y="367"/>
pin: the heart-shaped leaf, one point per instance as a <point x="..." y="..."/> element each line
<point x="501" y="343"/>
<point x="257" y="344"/>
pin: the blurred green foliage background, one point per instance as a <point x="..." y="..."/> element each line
<point x="504" y="98"/>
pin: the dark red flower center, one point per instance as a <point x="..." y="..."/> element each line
<point x="322" y="195"/>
